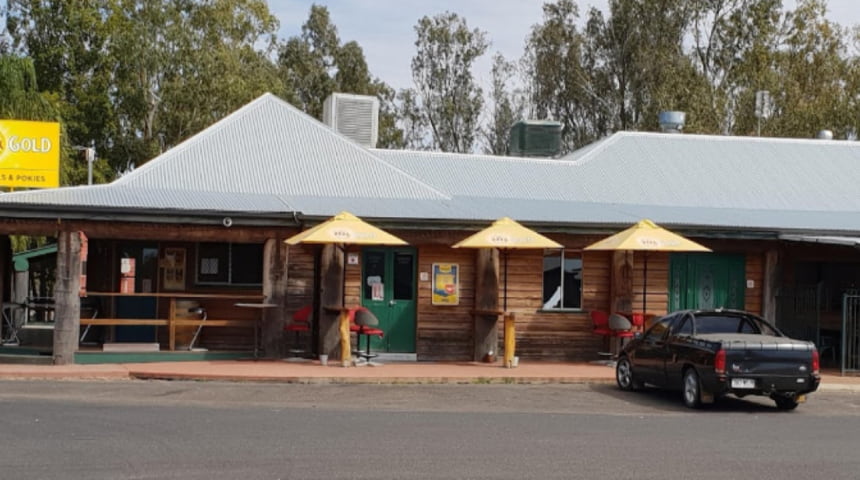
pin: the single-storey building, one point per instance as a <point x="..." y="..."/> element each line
<point x="204" y="224"/>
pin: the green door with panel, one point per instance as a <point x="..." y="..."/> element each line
<point x="706" y="280"/>
<point x="388" y="290"/>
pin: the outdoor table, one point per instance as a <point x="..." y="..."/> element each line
<point x="259" y="306"/>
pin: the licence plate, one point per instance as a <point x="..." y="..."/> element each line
<point x="743" y="383"/>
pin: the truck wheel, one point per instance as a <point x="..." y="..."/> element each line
<point x="785" y="403"/>
<point x="692" y="391"/>
<point x="624" y="375"/>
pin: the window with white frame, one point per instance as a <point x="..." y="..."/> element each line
<point x="562" y="280"/>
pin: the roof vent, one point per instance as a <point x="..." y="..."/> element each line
<point x="353" y="116"/>
<point x="825" y="135"/>
<point x="535" y="138"/>
<point x="672" y="122"/>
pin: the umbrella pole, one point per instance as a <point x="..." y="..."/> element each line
<point x="644" y="283"/>
<point x="505" y="301"/>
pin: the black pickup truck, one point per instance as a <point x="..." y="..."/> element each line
<point x="708" y="353"/>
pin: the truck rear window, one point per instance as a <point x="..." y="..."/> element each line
<point x="730" y="324"/>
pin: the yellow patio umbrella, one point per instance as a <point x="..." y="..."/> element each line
<point x="646" y="236"/>
<point x="506" y="234"/>
<point x="345" y="229"/>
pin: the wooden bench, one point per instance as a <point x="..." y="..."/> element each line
<point x="173" y="321"/>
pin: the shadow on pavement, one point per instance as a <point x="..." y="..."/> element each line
<point x="670" y="401"/>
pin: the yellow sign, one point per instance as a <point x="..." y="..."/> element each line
<point x="446" y="284"/>
<point x="29" y="154"/>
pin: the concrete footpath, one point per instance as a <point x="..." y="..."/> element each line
<point x="312" y="372"/>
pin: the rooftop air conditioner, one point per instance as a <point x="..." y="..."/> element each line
<point x="353" y="116"/>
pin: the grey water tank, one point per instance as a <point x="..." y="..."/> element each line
<point x="672" y="122"/>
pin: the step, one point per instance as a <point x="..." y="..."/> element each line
<point x="130" y="347"/>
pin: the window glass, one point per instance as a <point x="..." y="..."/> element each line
<point x="686" y="327"/>
<point x="213" y="262"/>
<point x="230" y="263"/>
<point x="374" y="271"/>
<point x="562" y="280"/>
<point x="403" y="276"/>
<point x="658" y="330"/>
<point x="246" y="264"/>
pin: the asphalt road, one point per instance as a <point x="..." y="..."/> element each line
<point x="206" y="430"/>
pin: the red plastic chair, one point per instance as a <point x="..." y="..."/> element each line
<point x="367" y="325"/>
<point x="301" y="322"/>
<point x="620" y="326"/>
<point x="600" y="323"/>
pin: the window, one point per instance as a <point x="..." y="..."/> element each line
<point x="658" y="330"/>
<point x="562" y="280"/>
<point x="229" y="264"/>
<point x="686" y="327"/>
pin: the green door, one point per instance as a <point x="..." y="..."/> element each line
<point x="706" y="280"/>
<point x="388" y="290"/>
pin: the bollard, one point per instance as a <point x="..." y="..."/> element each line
<point x="510" y="340"/>
<point x="343" y="324"/>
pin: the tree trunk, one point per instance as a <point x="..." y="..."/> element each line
<point x="486" y="300"/>
<point x="275" y="258"/>
<point x="621" y="290"/>
<point x="331" y="295"/>
<point x="67" y="312"/>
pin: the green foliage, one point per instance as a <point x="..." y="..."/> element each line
<point x="507" y="107"/>
<point x="447" y="101"/>
<point x="705" y="57"/>
<point x="315" y="64"/>
<point x="137" y="76"/>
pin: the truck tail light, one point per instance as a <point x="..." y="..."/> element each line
<point x="816" y="362"/>
<point x="720" y="362"/>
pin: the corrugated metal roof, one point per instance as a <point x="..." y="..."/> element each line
<point x="722" y="172"/>
<point x="268" y="146"/>
<point x="114" y="197"/>
<point x="702" y="180"/>
<point x="847" y="241"/>
<point x="269" y="158"/>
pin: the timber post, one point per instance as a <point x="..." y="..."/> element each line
<point x="486" y="302"/>
<point x="67" y="301"/>
<point x="275" y="258"/>
<point x="331" y="301"/>
<point x="621" y="287"/>
<point x="6" y="267"/>
<point x="770" y="285"/>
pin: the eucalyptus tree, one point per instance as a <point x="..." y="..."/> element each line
<point x="446" y="102"/>
<point x="812" y="75"/>
<point x="67" y="42"/>
<point x="560" y="69"/>
<point x="137" y="76"/>
<point x="314" y="64"/>
<point x="22" y="100"/>
<point x="507" y="106"/>
<point x="180" y="66"/>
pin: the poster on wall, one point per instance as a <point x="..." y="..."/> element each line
<point x="446" y="284"/>
<point x="174" y="269"/>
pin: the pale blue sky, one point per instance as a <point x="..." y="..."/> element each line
<point x="384" y="28"/>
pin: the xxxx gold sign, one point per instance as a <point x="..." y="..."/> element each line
<point x="29" y="154"/>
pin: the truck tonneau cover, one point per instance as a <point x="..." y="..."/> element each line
<point x="747" y="341"/>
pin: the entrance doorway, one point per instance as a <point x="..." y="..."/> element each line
<point x="138" y="274"/>
<point x="706" y="280"/>
<point x="388" y="290"/>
